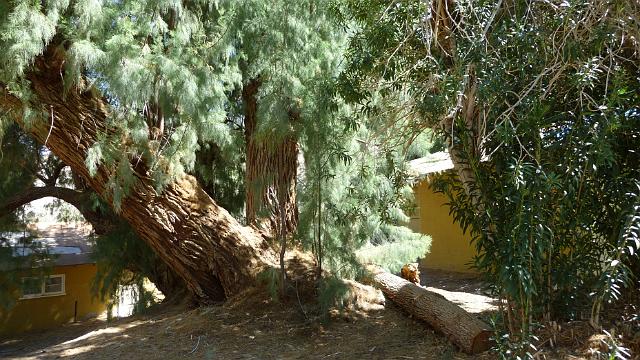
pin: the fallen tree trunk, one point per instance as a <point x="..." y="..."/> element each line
<point x="467" y="332"/>
<point x="200" y="241"/>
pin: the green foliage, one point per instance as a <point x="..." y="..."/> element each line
<point x="332" y="293"/>
<point x="10" y="279"/>
<point x="292" y="47"/>
<point x="20" y="160"/>
<point x="180" y="67"/>
<point x="353" y="201"/>
<point x="423" y="144"/>
<point x="169" y="56"/>
<point x="122" y="259"/>
<point x="144" y="298"/>
<point x="183" y="60"/>
<point x="614" y="348"/>
<point x="552" y="151"/>
<point x="20" y="157"/>
<point x="398" y="246"/>
<point x="271" y="278"/>
<point x="508" y="348"/>
<point x="622" y="263"/>
<point x="221" y="174"/>
<point x="64" y="212"/>
<point x="25" y="30"/>
<point x="21" y="256"/>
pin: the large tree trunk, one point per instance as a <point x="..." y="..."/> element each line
<point x="464" y="330"/>
<point x="102" y="223"/>
<point x="198" y="239"/>
<point x="271" y="170"/>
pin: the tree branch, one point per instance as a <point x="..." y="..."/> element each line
<point x="209" y="249"/>
<point x="55" y="174"/>
<point x="101" y="223"/>
<point x="73" y="197"/>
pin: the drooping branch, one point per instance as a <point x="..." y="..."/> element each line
<point x="198" y="239"/>
<point x="73" y="197"/>
<point x="101" y="223"/>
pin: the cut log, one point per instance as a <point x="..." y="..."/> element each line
<point x="470" y="334"/>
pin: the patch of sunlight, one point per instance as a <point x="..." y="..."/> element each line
<point x="109" y="330"/>
<point x="77" y="350"/>
<point x="472" y="303"/>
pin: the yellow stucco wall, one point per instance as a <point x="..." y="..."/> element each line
<point x="48" y="312"/>
<point x="450" y="249"/>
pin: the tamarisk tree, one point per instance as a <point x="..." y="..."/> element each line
<point x="31" y="173"/>
<point x="50" y="82"/>
<point x="133" y="96"/>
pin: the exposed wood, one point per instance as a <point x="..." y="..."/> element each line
<point x="199" y="240"/>
<point x="462" y="328"/>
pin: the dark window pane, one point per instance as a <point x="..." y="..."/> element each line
<point x="53" y="285"/>
<point x="31" y="286"/>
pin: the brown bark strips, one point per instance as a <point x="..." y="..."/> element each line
<point x="271" y="170"/>
<point x="464" y="330"/>
<point x="198" y="239"/>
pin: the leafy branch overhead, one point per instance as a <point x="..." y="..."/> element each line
<point x="233" y="136"/>
<point x="538" y="102"/>
<point x="138" y="96"/>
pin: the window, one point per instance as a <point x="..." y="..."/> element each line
<point x="33" y="287"/>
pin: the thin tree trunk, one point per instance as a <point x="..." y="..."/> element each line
<point x="196" y="238"/>
<point x="462" y="125"/>
<point x="464" y="146"/>
<point x="270" y="168"/>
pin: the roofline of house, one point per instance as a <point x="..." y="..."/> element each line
<point x="431" y="164"/>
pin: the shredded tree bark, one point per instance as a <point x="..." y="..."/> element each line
<point x="200" y="241"/>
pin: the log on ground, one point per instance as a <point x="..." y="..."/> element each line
<point x="463" y="329"/>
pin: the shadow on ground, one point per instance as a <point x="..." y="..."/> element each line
<point x="257" y="328"/>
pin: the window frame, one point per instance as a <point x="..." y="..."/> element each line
<point x="43" y="287"/>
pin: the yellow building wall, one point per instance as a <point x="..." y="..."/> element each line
<point x="52" y="311"/>
<point x="451" y="250"/>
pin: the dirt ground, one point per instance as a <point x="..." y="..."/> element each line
<point x="271" y="331"/>
<point x="256" y="327"/>
<point x="253" y="328"/>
